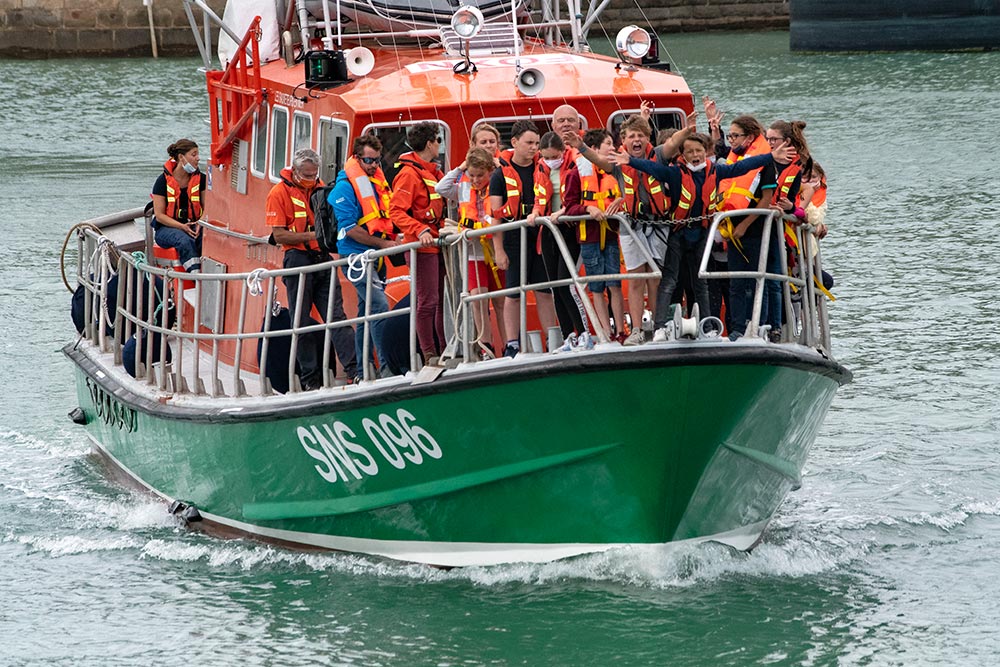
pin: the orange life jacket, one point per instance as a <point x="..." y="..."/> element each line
<point x="818" y="198"/>
<point x="597" y="188"/>
<point x="433" y="212"/>
<point x="303" y="219"/>
<point x="512" y="208"/>
<point x="174" y="193"/>
<point x="469" y="218"/>
<point x="633" y="182"/>
<point x="686" y="196"/>
<point x="738" y="192"/>
<point x="787" y="177"/>
<point x="468" y="205"/>
<point x="373" y="195"/>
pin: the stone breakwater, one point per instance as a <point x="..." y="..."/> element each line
<point x="59" y="28"/>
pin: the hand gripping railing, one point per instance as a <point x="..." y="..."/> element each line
<point x="812" y="327"/>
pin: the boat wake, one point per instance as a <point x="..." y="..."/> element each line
<point x="814" y="535"/>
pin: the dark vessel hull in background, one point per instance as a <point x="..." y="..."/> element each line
<point x="894" y="25"/>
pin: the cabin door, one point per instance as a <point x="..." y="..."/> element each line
<point x="333" y="147"/>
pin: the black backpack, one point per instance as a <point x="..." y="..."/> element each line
<point x="324" y="219"/>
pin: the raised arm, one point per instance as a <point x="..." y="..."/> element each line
<point x="573" y="139"/>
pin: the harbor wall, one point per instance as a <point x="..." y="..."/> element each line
<point x="57" y="28"/>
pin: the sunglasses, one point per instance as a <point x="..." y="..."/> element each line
<point x="370" y="160"/>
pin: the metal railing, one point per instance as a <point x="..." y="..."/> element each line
<point x="808" y="324"/>
<point x="153" y="303"/>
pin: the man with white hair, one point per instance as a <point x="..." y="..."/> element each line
<point x="566" y="119"/>
<point x="288" y="212"/>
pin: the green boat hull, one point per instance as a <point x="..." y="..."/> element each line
<point x="528" y="461"/>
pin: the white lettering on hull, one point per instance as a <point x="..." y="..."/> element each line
<point x="289" y="100"/>
<point x="341" y="457"/>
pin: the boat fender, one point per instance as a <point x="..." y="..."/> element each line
<point x="78" y="416"/>
<point x="133" y="350"/>
<point x="77" y="306"/>
<point x="280" y="347"/>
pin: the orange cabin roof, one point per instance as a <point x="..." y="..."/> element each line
<point x="413" y="81"/>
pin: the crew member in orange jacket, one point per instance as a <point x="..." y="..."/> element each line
<point x="418" y="210"/>
<point x="288" y="212"/>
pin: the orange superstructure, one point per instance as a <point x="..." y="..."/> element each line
<point x="405" y="86"/>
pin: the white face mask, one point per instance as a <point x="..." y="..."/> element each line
<point x="188" y="167"/>
<point x="553" y="164"/>
<point x="698" y="168"/>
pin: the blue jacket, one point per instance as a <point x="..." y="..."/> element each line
<point x="348" y="211"/>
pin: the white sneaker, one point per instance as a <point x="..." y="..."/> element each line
<point x="568" y="344"/>
<point x="634" y="338"/>
<point x="660" y="335"/>
<point x="585" y="341"/>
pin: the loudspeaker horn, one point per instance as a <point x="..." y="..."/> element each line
<point x="530" y="81"/>
<point x="360" y="61"/>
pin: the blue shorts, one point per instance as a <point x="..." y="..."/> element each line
<point x="598" y="262"/>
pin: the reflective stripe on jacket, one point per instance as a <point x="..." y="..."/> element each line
<point x="738" y="192"/>
<point x="174" y="193"/>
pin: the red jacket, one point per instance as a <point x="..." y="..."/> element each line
<point x="414" y="205"/>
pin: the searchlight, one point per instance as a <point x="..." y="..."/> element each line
<point x="467" y="22"/>
<point x="632" y="42"/>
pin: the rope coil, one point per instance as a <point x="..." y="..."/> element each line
<point x="255" y="282"/>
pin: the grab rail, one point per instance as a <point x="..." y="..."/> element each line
<point x="811" y="326"/>
<point x="152" y="303"/>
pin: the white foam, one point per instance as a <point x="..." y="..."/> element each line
<point x="67" y="545"/>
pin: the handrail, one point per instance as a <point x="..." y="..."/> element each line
<point x="225" y="231"/>
<point x="812" y="323"/>
<point x="138" y="290"/>
<point x="577" y="281"/>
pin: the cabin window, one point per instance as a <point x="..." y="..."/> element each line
<point x="279" y="142"/>
<point x="393" y="138"/>
<point x="333" y="147"/>
<point x="505" y="124"/>
<point x="259" y="162"/>
<point x="661" y="119"/>
<point x="302" y="131"/>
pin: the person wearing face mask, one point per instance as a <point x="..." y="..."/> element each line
<point x="179" y="203"/>
<point x="556" y="182"/>
<point x="360" y="201"/>
<point x="693" y="184"/>
<point x="288" y="213"/>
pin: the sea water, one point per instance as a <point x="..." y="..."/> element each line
<point x="887" y="555"/>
